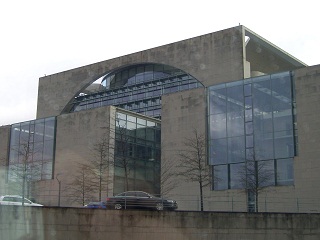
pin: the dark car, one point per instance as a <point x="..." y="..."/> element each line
<point x="96" y="205"/>
<point x="139" y="199"/>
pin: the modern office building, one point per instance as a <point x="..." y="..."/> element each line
<point x="255" y="104"/>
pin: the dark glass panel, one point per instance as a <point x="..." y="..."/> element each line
<point x="158" y="135"/>
<point x="49" y="129"/>
<point x="248" y="102"/>
<point x="14" y="156"/>
<point x="284" y="144"/>
<point x="285" y="171"/>
<point x="39" y="130"/>
<point x="48" y="150"/>
<point x="235" y="98"/>
<point x="218" y="151"/>
<point x="218" y="126"/>
<point x="263" y="123"/>
<point x="141" y="132"/>
<point x="124" y="76"/>
<point x="236" y="149"/>
<point x="15" y="135"/>
<point x="150" y="134"/>
<point x="283" y="120"/>
<point x="262" y="97"/>
<point x="218" y="101"/>
<point x="249" y="141"/>
<point x="263" y="146"/>
<point x="248" y="115"/>
<point x="220" y="177"/>
<point x="235" y="123"/>
<point x="38" y="151"/>
<point x="249" y="128"/>
<point x="236" y="171"/>
<point x="140" y="74"/>
<point x="24" y="134"/>
<point x="266" y="173"/>
<point x="250" y="154"/>
<point x="281" y="86"/>
<point x="247" y="90"/>
<point x="132" y="76"/>
<point x="47" y="171"/>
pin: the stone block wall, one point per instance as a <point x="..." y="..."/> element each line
<point x="82" y="224"/>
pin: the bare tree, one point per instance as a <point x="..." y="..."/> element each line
<point x="167" y="174"/>
<point x="254" y="177"/>
<point x="101" y="162"/>
<point x="193" y="163"/>
<point x="83" y="186"/>
<point x="25" y="169"/>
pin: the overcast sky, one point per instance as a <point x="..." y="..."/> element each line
<point x="41" y="37"/>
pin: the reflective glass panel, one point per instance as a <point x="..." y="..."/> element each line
<point x="218" y="151"/>
<point x="235" y="124"/>
<point x="30" y="148"/>
<point x="236" y="176"/>
<point x="285" y="171"/>
<point x="236" y="149"/>
<point x="220" y="176"/>
<point x="218" y="126"/>
<point x="258" y="126"/>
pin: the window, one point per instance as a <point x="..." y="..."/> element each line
<point x="135" y="84"/>
<point x="32" y="150"/>
<point x="252" y="120"/>
<point x="137" y="148"/>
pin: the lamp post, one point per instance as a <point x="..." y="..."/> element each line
<point x="59" y="191"/>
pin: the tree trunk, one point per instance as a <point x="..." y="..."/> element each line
<point x="201" y="197"/>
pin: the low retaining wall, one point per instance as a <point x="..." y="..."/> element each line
<point x="80" y="224"/>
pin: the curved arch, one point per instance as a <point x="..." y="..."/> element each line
<point x="138" y="73"/>
<point x="137" y="87"/>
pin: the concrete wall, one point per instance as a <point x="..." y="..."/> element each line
<point x="182" y="113"/>
<point x="211" y="58"/>
<point x="82" y="224"/>
<point x="307" y="164"/>
<point x="76" y="135"/>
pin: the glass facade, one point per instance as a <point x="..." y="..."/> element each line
<point x="137" y="154"/>
<point x="138" y="88"/>
<point x="252" y="120"/>
<point x="32" y="150"/>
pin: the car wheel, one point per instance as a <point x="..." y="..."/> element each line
<point x="118" y="206"/>
<point x="159" y="206"/>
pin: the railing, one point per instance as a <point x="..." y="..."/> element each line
<point x="232" y="203"/>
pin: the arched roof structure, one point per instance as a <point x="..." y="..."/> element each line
<point x="211" y="59"/>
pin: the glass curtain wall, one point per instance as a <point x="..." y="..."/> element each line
<point x="138" y="88"/>
<point x="252" y="120"/>
<point x="137" y="154"/>
<point x="32" y="150"/>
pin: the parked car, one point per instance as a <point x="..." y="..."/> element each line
<point x="96" y="205"/>
<point x="17" y="201"/>
<point x="139" y="199"/>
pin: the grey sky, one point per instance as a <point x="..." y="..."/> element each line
<point x="44" y="37"/>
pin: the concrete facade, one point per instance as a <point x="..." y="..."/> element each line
<point x="76" y="135"/>
<point x="208" y="58"/>
<point x="220" y="57"/>
<point x="80" y="224"/>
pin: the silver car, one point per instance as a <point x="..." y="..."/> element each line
<point x="17" y="201"/>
